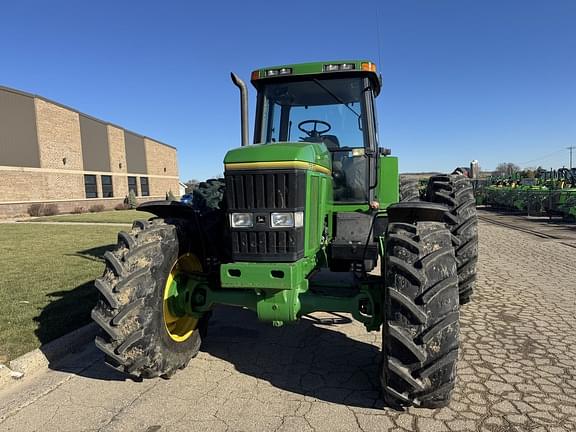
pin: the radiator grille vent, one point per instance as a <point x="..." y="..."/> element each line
<point x="263" y="192"/>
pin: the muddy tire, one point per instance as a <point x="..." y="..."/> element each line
<point x="135" y="338"/>
<point x="420" y="337"/>
<point x="409" y="189"/>
<point x="456" y="192"/>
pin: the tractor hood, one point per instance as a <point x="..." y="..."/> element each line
<point x="269" y="156"/>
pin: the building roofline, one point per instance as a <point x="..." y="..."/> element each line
<point x="35" y="96"/>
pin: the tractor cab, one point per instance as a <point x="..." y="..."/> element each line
<point x="315" y="159"/>
<point x="324" y="103"/>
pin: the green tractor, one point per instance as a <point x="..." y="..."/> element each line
<point x="307" y="219"/>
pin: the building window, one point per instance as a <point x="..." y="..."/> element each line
<point x="107" y="191"/>
<point x="132" y="185"/>
<point x="144" y="186"/>
<point x="90" y="186"/>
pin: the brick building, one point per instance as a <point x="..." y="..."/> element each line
<point x="50" y="153"/>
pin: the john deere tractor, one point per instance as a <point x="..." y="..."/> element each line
<point x="307" y="219"/>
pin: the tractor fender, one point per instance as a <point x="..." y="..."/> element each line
<point x="209" y="225"/>
<point x="168" y="209"/>
<point x="417" y="211"/>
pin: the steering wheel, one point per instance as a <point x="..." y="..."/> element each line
<point x="312" y="133"/>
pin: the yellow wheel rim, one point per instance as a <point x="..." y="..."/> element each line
<point x="179" y="328"/>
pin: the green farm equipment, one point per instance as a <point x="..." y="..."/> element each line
<point x="562" y="196"/>
<point x="307" y="219"/>
<point x="551" y="192"/>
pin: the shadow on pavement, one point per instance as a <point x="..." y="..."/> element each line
<point x="306" y="358"/>
<point x="312" y="357"/>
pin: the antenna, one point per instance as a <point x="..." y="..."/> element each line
<point x="378" y="37"/>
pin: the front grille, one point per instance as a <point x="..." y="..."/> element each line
<point x="264" y="242"/>
<point x="263" y="192"/>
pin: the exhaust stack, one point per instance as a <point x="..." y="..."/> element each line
<point x="243" y="106"/>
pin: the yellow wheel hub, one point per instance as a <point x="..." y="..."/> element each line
<point x="179" y="328"/>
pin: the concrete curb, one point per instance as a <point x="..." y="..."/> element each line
<point x="41" y="358"/>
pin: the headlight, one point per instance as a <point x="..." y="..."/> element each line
<point x="287" y="220"/>
<point x="282" y="220"/>
<point x="241" y="220"/>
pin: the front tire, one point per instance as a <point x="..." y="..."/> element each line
<point x="420" y="337"/>
<point x="139" y="337"/>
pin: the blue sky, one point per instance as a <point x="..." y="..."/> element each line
<point x="490" y="80"/>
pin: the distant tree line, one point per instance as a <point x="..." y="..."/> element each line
<point x="506" y="169"/>
<point x="191" y="185"/>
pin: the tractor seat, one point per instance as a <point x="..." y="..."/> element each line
<point x="330" y="141"/>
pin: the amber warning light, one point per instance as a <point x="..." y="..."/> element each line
<point x="369" y="67"/>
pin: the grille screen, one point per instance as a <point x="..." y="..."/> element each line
<point x="264" y="242"/>
<point x="266" y="190"/>
<point x="262" y="192"/>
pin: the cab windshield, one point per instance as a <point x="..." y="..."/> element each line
<point x="327" y="111"/>
<point x="336" y="105"/>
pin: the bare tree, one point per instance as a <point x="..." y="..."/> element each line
<point x="191" y="185"/>
<point x="506" y="169"/>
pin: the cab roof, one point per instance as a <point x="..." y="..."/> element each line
<point x="325" y="68"/>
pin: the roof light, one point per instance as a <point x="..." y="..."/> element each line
<point x="333" y="67"/>
<point x="255" y="75"/>
<point x="369" y="67"/>
<point x="276" y="72"/>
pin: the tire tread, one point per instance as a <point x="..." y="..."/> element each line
<point x="456" y="191"/>
<point x="421" y="328"/>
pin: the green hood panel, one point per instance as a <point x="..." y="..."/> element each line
<point x="299" y="151"/>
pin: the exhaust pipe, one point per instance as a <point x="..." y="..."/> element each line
<point x="243" y="106"/>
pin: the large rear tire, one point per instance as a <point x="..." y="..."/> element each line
<point x="409" y="189"/>
<point x="456" y="192"/>
<point x="140" y="337"/>
<point x="420" y="337"/>
<point x="209" y="195"/>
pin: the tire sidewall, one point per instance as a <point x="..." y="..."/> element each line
<point x="165" y="350"/>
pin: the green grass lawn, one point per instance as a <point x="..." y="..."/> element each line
<point x="46" y="279"/>
<point x="114" y="216"/>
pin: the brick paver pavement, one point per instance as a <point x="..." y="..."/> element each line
<point x="516" y="371"/>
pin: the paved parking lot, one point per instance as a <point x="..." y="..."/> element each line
<point x="516" y="371"/>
